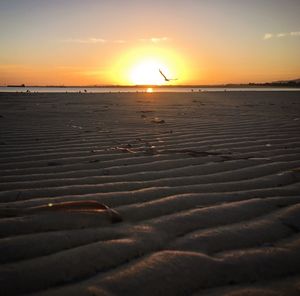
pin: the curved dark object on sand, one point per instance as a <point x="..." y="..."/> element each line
<point x="85" y="206"/>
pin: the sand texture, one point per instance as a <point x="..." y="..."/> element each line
<point x="207" y="185"/>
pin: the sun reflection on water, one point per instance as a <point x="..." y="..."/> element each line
<point x="149" y="90"/>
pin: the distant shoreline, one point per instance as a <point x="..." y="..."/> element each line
<point x="251" y="85"/>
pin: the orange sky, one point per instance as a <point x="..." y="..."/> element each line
<point x="127" y="42"/>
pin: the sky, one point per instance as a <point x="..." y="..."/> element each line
<point x="72" y="42"/>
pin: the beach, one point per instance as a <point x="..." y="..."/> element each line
<point x="206" y="184"/>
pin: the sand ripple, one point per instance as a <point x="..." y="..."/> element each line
<point x="209" y="196"/>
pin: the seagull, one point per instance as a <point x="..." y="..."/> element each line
<point x="166" y="79"/>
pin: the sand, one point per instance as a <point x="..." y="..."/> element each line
<point x="207" y="185"/>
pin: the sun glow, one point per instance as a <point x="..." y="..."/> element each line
<point x="146" y="72"/>
<point x="141" y="66"/>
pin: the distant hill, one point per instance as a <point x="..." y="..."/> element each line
<point x="284" y="83"/>
<point x="287" y="81"/>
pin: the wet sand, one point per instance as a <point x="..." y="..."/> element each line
<point x="207" y="185"/>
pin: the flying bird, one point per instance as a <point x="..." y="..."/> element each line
<point x="166" y="79"/>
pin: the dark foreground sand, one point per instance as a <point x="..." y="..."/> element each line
<point x="207" y="184"/>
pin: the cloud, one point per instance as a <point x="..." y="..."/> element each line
<point x="268" y="36"/>
<point x="87" y="40"/>
<point x="295" y="33"/>
<point x="280" y="35"/>
<point x="92" y="40"/>
<point x="155" y="39"/>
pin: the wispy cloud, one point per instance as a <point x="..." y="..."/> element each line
<point x="155" y="39"/>
<point x="268" y="36"/>
<point x="295" y="33"/>
<point x="87" y="40"/>
<point x="280" y="35"/>
<point x="92" y="40"/>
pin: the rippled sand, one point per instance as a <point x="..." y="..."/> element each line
<point x="207" y="184"/>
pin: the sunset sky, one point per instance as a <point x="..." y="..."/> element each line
<point x="74" y="42"/>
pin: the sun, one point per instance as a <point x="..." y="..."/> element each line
<point x="146" y="72"/>
<point x="140" y="66"/>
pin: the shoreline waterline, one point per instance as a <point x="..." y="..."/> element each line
<point x="143" y="89"/>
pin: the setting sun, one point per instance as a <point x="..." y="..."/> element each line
<point x="147" y="72"/>
<point x="140" y="66"/>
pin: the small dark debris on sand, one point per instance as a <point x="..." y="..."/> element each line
<point x="94" y="160"/>
<point x="146" y="111"/>
<point x="53" y="163"/>
<point x="157" y="120"/>
<point x="193" y="153"/>
<point x="124" y="149"/>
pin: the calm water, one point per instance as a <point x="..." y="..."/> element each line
<point x="134" y="89"/>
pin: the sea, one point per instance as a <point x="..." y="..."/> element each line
<point x="135" y="89"/>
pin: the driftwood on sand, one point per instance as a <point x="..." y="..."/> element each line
<point x="85" y="206"/>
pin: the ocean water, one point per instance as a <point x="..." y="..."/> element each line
<point x="35" y="89"/>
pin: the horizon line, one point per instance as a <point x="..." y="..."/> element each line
<point x="249" y="84"/>
<point x="279" y="82"/>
